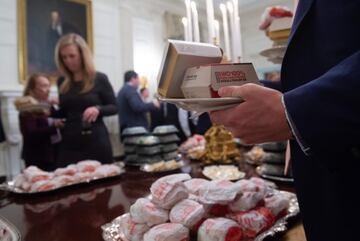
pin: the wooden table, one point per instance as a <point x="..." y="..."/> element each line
<point x="76" y="214"/>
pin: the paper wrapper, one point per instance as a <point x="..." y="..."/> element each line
<point x="169" y="190"/>
<point x="167" y="232"/>
<point x="216" y="229"/>
<point x="144" y="211"/>
<point x="187" y="212"/>
<point x="111" y="231"/>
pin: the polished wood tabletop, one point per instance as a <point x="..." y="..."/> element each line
<point x="77" y="213"/>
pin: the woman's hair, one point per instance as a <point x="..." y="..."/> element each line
<point x="31" y="83"/>
<point x="88" y="66"/>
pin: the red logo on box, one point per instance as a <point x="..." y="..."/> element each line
<point x="229" y="76"/>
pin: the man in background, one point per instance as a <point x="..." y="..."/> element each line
<point x="132" y="109"/>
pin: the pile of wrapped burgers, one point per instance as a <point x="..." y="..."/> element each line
<point x="181" y="208"/>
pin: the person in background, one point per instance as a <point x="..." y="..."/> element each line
<point x="40" y="133"/>
<point x="86" y="96"/>
<point x="144" y="92"/>
<point x="170" y="114"/>
<point x="132" y="109"/>
<point x="203" y="124"/>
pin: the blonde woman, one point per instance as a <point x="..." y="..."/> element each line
<point x="40" y="133"/>
<point x="85" y="97"/>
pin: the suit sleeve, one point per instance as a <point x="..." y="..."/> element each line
<point x="326" y="110"/>
<point x="276" y="85"/>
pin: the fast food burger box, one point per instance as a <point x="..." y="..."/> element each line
<point x="178" y="57"/>
<point x="205" y="81"/>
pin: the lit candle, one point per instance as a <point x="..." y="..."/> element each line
<point x="226" y="31"/>
<point x="196" y="22"/>
<point x="232" y="27"/>
<point x="189" y="20"/>
<point x="217" y="32"/>
<point x="237" y="33"/>
<point x="210" y="19"/>
<point x="185" y="23"/>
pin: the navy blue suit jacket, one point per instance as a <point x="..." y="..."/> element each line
<point x="132" y="108"/>
<point x="321" y="82"/>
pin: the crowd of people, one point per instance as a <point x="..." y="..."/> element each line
<point x="73" y="130"/>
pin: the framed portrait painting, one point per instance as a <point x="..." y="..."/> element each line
<point x="41" y="23"/>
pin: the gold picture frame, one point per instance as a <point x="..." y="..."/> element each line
<point x="36" y="41"/>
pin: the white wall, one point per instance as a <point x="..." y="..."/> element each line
<point x="8" y="46"/>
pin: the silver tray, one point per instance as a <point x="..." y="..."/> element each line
<point x="14" y="233"/>
<point x="145" y="167"/>
<point x="274" y="178"/>
<point x="111" y="230"/>
<point x="10" y="185"/>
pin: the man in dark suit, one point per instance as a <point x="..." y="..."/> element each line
<point x="318" y="112"/>
<point x="132" y="109"/>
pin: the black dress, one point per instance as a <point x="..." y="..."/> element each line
<point x="82" y="141"/>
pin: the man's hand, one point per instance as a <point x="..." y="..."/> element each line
<point x="91" y="114"/>
<point x="261" y="118"/>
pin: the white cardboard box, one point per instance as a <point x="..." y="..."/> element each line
<point x="178" y="57"/>
<point x="279" y="24"/>
<point x="205" y="81"/>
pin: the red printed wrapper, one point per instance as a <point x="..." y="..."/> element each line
<point x="169" y="190"/>
<point x="253" y="222"/>
<point x="167" y="232"/>
<point x="261" y="185"/>
<point x="195" y="184"/>
<point x="42" y="186"/>
<point x="131" y="230"/>
<point x="106" y="170"/>
<point x="246" y="185"/>
<point x="70" y="170"/>
<point x="187" y="212"/>
<point x="278" y="204"/>
<point x="144" y="211"/>
<point x="87" y="166"/>
<point x="34" y="174"/>
<point x="247" y="201"/>
<point x="219" y="229"/>
<point x="219" y="192"/>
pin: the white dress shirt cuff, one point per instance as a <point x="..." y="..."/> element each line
<point x="304" y="147"/>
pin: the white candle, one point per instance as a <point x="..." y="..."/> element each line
<point x="226" y="31"/>
<point x="232" y="27"/>
<point x="240" y="42"/>
<point x="185" y="23"/>
<point x="237" y="33"/>
<point x="189" y="20"/>
<point x="196" y="22"/>
<point x="217" y="32"/>
<point x="210" y="19"/>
